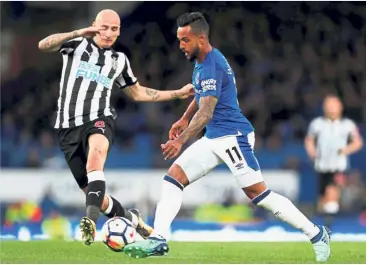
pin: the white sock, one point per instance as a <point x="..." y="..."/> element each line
<point x="331" y="207"/>
<point x="284" y="209"/>
<point x="168" y="206"/>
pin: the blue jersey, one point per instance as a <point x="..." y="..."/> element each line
<point x="215" y="77"/>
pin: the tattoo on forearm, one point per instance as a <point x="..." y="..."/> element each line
<point x="201" y="118"/>
<point x="57" y="39"/>
<point x="198" y="122"/>
<point x="174" y="95"/>
<point x="152" y="93"/>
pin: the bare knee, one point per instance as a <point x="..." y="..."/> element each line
<point x="332" y="193"/>
<point x="95" y="160"/>
<point x="254" y="190"/>
<point x="176" y="172"/>
<point x="97" y="153"/>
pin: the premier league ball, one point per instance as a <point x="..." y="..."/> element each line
<point x="118" y="232"/>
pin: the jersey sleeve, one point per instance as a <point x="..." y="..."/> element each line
<point x="69" y="46"/>
<point x="210" y="81"/>
<point x="352" y="129"/>
<point x="126" y="77"/>
<point x="313" y="128"/>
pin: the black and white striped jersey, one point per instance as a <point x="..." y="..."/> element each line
<point x="331" y="136"/>
<point x="88" y="75"/>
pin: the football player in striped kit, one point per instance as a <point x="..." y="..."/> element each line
<point x="85" y="119"/>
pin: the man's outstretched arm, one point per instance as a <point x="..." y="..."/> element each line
<point x="53" y="42"/>
<point x="141" y="93"/>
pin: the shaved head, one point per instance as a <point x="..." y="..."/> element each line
<point x="108" y="23"/>
<point x="108" y="15"/>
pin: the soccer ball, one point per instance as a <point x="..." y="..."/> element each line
<point x="118" y="232"/>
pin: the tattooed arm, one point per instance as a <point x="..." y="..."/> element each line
<point x="53" y="42"/>
<point x="200" y="119"/>
<point x="141" y="93"/>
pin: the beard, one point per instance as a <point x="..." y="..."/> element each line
<point x="194" y="55"/>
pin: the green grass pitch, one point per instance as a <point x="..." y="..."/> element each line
<point x="74" y="252"/>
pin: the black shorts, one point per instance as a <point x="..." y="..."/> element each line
<point x="325" y="179"/>
<point x="74" y="144"/>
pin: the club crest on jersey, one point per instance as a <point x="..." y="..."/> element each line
<point x="114" y="63"/>
<point x="100" y="124"/>
<point x="197" y="78"/>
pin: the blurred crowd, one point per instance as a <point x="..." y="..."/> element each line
<point x="286" y="57"/>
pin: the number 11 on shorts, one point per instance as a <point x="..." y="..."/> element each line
<point x="234" y="148"/>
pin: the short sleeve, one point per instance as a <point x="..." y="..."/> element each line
<point x="70" y="46"/>
<point x="126" y="77"/>
<point x="313" y="128"/>
<point x="352" y="129"/>
<point x="210" y="82"/>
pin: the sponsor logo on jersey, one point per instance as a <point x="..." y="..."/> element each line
<point x="208" y="85"/>
<point x="92" y="72"/>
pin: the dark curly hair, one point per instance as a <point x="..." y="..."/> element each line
<point x="196" y="20"/>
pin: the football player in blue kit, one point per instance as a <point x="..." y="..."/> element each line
<point x="229" y="139"/>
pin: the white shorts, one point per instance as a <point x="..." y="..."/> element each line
<point x="236" y="151"/>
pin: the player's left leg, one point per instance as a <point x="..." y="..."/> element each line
<point x="195" y="162"/>
<point x="238" y="154"/>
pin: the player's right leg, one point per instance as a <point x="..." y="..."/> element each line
<point x="195" y="162"/>
<point x="98" y="146"/>
<point x="110" y="207"/>
<point x="286" y="211"/>
<point x="71" y="144"/>
<point x="97" y="138"/>
<point x="237" y="153"/>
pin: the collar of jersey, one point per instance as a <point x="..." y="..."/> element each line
<point x="333" y="121"/>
